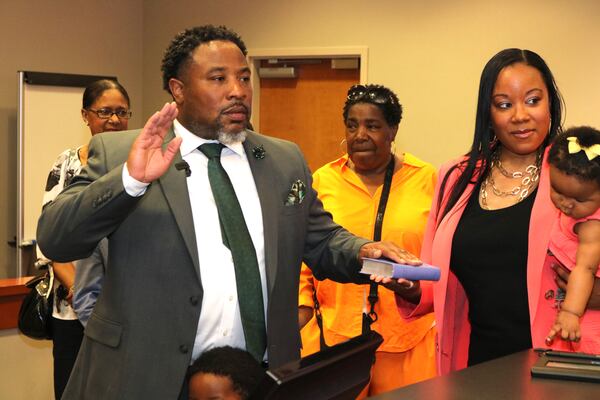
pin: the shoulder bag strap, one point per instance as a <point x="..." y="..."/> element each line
<point x="371" y="317"/>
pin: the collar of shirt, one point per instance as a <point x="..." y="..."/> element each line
<point x="190" y="141"/>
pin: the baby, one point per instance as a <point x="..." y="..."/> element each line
<point x="575" y="239"/>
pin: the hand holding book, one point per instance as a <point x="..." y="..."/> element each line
<point x="402" y="279"/>
<point x="408" y="289"/>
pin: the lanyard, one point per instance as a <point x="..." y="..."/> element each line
<point x="371" y="317"/>
<point x="385" y="194"/>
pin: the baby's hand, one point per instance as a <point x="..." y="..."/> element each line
<point x="567" y="326"/>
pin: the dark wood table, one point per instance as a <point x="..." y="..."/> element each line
<point x="504" y="378"/>
<point x="12" y="292"/>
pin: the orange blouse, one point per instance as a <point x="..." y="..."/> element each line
<point x="346" y="197"/>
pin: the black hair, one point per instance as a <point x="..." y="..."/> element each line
<point x="576" y="164"/>
<point x="236" y="364"/>
<point x="378" y="95"/>
<point x="180" y="50"/>
<point x="95" y="89"/>
<point x="479" y="157"/>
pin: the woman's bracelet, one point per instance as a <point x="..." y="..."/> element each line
<point x="578" y="315"/>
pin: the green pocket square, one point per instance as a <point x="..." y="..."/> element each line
<point x="296" y="194"/>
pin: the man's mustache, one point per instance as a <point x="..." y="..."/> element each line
<point x="235" y="107"/>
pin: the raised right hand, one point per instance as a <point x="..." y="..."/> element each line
<point x="147" y="161"/>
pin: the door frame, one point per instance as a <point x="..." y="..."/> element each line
<point x="255" y="56"/>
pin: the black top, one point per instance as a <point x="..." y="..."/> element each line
<point x="489" y="258"/>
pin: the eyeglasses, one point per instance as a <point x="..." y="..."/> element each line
<point x="107" y="113"/>
<point x="375" y="95"/>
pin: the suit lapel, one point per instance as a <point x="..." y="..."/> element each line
<point x="174" y="187"/>
<point x="262" y="170"/>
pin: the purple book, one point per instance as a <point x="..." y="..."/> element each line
<point x="391" y="269"/>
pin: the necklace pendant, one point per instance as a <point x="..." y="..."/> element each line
<point x="531" y="169"/>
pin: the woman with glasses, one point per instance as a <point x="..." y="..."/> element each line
<point x="490" y="222"/>
<point x="105" y="108"/>
<point x="351" y="189"/>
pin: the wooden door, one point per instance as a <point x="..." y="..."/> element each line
<point x="307" y="110"/>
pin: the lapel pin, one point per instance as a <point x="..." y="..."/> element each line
<point x="259" y="152"/>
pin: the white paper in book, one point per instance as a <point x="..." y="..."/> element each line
<point x="390" y="269"/>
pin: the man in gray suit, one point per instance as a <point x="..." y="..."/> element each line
<point x="170" y="290"/>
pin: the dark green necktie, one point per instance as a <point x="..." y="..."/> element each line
<point x="237" y="239"/>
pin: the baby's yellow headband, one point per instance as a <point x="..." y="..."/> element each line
<point x="591" y="152"/>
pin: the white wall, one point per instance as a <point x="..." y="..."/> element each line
<point x="430" y="53"/>
<point x="93" y="37"/>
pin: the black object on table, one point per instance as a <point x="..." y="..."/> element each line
<point x="507" y="378"/>
<point x="565" y="365"/>
<point x="339" y="372"/>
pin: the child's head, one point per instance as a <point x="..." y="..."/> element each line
<point x="224" y="373"/>
<point x="575" y="171"/>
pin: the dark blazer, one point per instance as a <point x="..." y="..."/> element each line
<point x="139" y="339"/>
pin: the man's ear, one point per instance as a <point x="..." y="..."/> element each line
<point x="176" y="87"/>
<point x="84" y="115"/>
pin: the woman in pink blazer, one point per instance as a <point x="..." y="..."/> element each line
<point x="489" y="226"/>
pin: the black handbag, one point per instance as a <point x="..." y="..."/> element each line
<point x="35" y="314"/>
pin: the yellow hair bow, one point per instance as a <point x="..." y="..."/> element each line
<point x="591" y="152"/>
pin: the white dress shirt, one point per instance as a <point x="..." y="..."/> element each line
<point x="220" y="323"/>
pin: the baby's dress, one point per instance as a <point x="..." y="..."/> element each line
<point x="563" y="248"/>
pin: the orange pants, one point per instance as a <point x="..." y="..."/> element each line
<point x="394" y="370"/>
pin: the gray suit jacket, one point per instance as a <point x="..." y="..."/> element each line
<point x="139" y="339"/>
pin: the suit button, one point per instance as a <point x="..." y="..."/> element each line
<point x="549" y="294"/>
<point x="184" y="349"/>
<point x="194" y="300"/>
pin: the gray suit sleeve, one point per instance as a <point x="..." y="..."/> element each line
<point x="330" y="250"/>
<point x="88" y="210"/>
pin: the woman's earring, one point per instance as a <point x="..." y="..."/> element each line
<point x="393" y="147"/>
<point x="343" y="146"/>
<point x="494" y="141"/>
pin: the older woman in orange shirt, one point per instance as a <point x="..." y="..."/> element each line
<point x="351" y="189"/>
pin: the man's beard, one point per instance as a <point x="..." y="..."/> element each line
<point x="230" y="138"/>
<point x="217" y="132"/>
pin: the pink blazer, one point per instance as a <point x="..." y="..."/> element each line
<point x="448" y="296"/>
